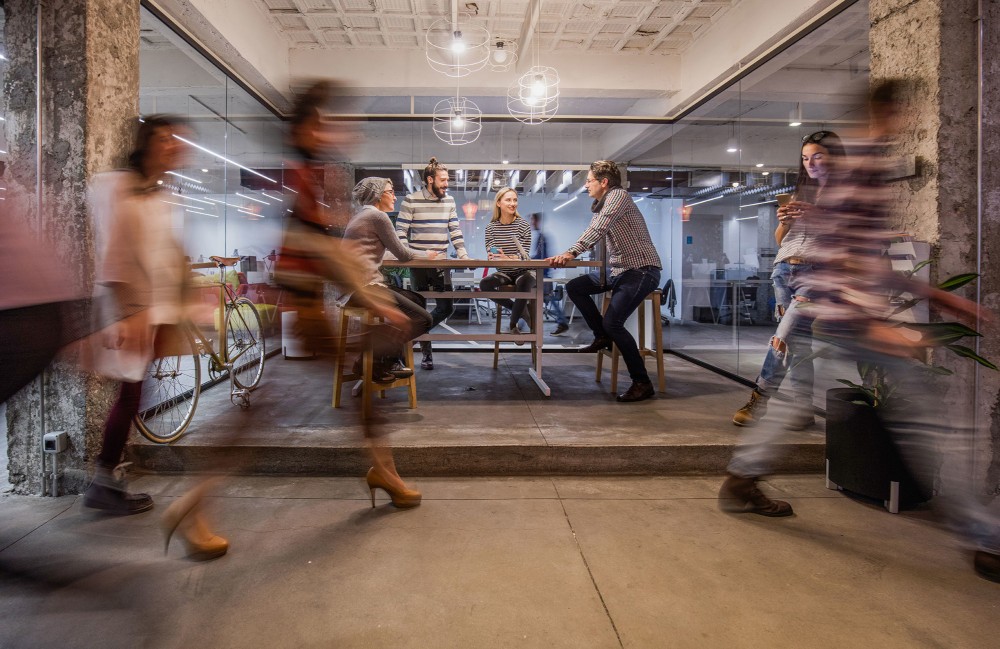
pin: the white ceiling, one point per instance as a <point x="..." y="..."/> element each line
<point x="602" y="26"/>
<point x="823" y="72"/>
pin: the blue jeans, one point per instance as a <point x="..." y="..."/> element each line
<point x="781" y="275"/>
<point x="793" y="337"/>
<point x="628" y="290"/>
<point x="554" y="305"/>
<point x="935" y="445"/>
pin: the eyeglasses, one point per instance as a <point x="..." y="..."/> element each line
<point x="592" y="180"/>
<point x="816" y="137"/>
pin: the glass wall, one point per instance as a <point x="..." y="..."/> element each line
<point x="706" y="183"/>
<point x="231" y="196"/>
<point x="715" y="178"/>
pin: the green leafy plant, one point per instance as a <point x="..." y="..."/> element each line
<point x="875" y="386"/>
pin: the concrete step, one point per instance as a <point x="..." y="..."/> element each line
<point x="488" y="460"/>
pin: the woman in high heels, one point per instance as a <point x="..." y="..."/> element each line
<point x="143" y="268"/>
<point x="310" y="258"/>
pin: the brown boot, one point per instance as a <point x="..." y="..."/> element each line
<point x="741" y="495"/>
<point x="752" y="412"/>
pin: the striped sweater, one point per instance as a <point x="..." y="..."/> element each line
<point x="427" y="223"/>
<point x="505" y="237"/>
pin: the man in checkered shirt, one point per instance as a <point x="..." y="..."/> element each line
<point x="634" y="267"/>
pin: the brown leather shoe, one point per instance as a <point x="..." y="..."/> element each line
<point x="741" y="495"/>
<point x="751" y="413"/>
<point x="638" y="391"/>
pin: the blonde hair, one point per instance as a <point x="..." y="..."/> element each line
<point x="496" y="203"/>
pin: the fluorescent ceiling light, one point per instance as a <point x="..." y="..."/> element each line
<point x="193" y="207"/>
<point x="289" y="189"/>
<point x="188" y="198"/>
<point x="251" y="198"/>
<point x="746" y="218"/>
<point x="224" y="158"/>
<point x="194" y="180"/>
<point x="760" y="203"/>
<point x="562" y="205"/>
<point x="707" y="200"/>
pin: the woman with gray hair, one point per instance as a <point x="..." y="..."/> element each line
<point x="373" y="233"/>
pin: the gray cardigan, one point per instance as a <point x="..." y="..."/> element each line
<point x="373" y="234"/>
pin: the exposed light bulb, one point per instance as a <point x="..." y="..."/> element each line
<point x="500" y="54"/>
<point x="531" y="101"/>
<point x="759" y="165"/>
<point x="765" y="173"/>
<point x="458" y="45"/>
<point x="736" y="184"/>
<point x="457" y="121"/>
<point x="538" y="87"/>
<point x="506" y="162"/>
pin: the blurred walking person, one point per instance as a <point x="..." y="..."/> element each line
<point x="310" y="258"/>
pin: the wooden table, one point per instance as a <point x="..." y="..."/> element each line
<point x="538" y="295"/>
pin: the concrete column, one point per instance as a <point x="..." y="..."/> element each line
<point x="934" y="43"/>
<point x="90" y="90"/>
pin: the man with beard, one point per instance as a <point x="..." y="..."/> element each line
<point x="428" y="220"/>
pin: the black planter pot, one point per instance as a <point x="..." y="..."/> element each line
<point x="861" y="456"/>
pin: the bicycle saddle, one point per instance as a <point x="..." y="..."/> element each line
<point x="225" y="261"/>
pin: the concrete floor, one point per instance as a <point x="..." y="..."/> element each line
<point x="474" y="420"/>
<point x="492" y="562"/>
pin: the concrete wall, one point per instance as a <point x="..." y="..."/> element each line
<point x="934" y="43"/>
<point x="90" y="90"/>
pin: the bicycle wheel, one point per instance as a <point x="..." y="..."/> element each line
<point x="169" y="396"/>
<point x="245" y="343"/>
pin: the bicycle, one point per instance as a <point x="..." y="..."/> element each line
<point x="173" y="383"/>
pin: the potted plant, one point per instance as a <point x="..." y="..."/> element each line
<point x="860" y="455"/>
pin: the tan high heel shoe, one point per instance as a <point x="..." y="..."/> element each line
<point x="184" y="516"/>
<point x="401" y="498"/>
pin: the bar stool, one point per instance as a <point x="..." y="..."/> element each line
<point x="657" y="351"/>
<point x="496" y="343"/>
<point x="365" y="386"/>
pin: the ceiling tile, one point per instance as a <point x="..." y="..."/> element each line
<point x="369" y="38"/>
<point x="628" y="9"/>
<point x="368" y="23"/>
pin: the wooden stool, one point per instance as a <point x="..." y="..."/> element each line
<point x="496" y="343"/>
<point x="365" y="386"/>
<point x="657" y="352"/>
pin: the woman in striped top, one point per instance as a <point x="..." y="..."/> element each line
<point x="507" y="235"/>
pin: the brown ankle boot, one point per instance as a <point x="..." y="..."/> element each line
<point x="741" y="495"/>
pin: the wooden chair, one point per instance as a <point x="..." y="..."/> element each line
<point x="657" y="352"/>
<point x="365" y="386"/>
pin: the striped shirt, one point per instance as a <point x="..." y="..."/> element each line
<point x="618" y="220"/>
<point x="506" y="238"/>
<point x="426" y="222"/>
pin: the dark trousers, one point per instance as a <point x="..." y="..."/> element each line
<point x="628" y="290"/>
<point x="118" y="425"/>
<point x="434" y="279"/>
<point x="522" y="281"/>
<point x="386" y="341"/>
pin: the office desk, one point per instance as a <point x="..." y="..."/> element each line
<point x="538" y="295"/>
<point x="701" y="293"/>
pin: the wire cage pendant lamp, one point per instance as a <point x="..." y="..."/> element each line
<point x="457" y="121"/>
<point x="455" y="47"/>
<point x="534" y="96"/>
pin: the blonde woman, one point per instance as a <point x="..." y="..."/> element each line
<point x="508" y="236"/>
